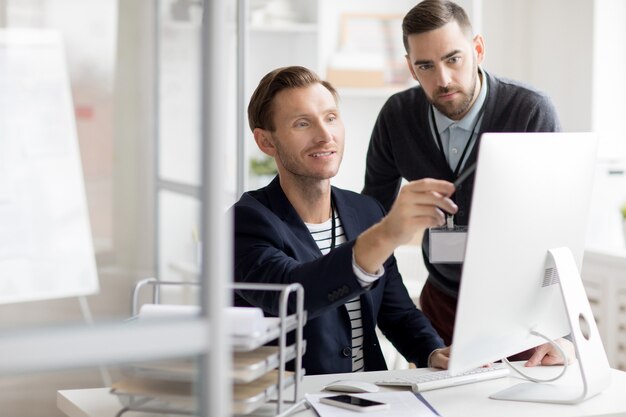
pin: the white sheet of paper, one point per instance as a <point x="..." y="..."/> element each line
<point x="402" y="404"/>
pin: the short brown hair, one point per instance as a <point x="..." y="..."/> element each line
<point x="432" y="14"/>
<point x="260" y="109"/>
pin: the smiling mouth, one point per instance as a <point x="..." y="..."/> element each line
<point x="322" y="154"/>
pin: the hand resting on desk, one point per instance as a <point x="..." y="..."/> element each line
<point x="547" y="354"/>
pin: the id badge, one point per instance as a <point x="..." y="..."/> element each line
<point x="447" y="244"/>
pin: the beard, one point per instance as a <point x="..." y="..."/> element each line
<point x="299" y="171"/>
<point x="453" y="110"/>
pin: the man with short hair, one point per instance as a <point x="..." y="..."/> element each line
<point x="433" y="131"/>
<point x="335" y="243"/>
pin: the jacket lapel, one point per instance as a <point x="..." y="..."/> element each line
<point x="278" y="202"/>
<point x="347" y="214"/>
<point x="352" y="229"/>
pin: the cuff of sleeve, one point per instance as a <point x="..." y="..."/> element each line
<point x="429" y="362"/>
<point x="364" y="278"/>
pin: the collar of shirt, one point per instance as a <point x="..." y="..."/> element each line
<point x="467" y="122"/>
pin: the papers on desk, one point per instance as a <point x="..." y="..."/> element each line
<point x="402" y="404"/>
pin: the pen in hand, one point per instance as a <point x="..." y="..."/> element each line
<point x="465" y="174"/>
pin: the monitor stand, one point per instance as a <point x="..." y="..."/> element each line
<point x="592" y="361"/>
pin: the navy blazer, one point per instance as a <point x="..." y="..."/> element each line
<point x="273" y="245"/>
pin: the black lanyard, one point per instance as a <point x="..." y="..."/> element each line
<point x="333" y="236"/>
<point x="469" y="141"/>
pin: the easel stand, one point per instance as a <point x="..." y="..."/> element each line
<point x="88" y="317"/>
<point x="592" y="361"/>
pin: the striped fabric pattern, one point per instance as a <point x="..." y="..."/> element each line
<point x="322" y="234"/>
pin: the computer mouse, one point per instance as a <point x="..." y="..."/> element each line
<point x="351" y="385"/>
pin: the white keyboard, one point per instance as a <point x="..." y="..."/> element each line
<point x="420" y="382"/>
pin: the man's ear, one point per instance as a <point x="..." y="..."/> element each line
<point x="479" y="48"/>
<point x="263" y="140"/>
<point x="411" y="70"/>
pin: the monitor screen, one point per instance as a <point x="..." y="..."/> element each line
<point x="531" y="194"/>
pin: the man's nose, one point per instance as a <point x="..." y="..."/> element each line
<point x="443" y="76"/>
<point x="324" y="133"/>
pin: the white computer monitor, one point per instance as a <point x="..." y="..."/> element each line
<point x="531" y="197"/>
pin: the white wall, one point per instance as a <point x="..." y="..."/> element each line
<point x="359" y="111"/>
<point x="609" y="81"/>
<point x="548" y="44"/>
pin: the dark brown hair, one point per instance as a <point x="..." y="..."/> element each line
<point x="261" y="107"/>
<point x="432" y="14"/>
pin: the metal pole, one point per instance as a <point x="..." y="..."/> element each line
<point x="215" y="385"/>
<point x="242" y="53"/>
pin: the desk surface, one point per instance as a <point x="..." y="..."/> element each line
<point x="465" y="400"/>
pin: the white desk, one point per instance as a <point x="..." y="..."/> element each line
<point x="463" y="401"/>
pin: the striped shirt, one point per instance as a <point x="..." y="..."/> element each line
<point x="322" y="234"/>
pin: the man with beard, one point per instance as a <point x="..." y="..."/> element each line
<point x="334" y="242"/>
<point x="433" y="131"/>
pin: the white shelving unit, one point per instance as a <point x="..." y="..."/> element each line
<point x="604" y="277"/>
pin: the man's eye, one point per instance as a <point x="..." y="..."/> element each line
<point x="424" y="67"/>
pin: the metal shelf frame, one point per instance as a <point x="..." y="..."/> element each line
<point x="287" y="323"/>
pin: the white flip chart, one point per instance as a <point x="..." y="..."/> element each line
<point x="46" y="249"/>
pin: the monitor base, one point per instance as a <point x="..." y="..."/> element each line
<point x="541" y="393"/>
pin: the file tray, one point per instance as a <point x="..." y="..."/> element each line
<point x="288" y="322"/>
<point x="249" y="397"/>
<point x="259" y="377"/>
<point x="248" y="366"/>
<point x="185" y="370"/>
<point x="176" y="397"/>
<point x="157" y="396"/>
